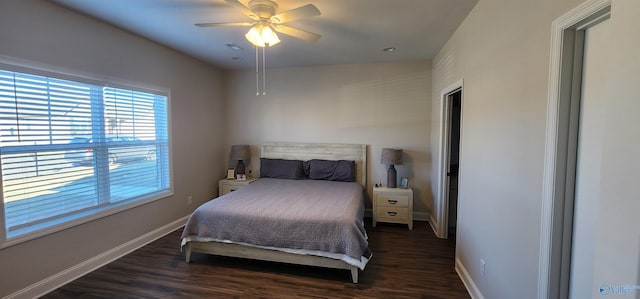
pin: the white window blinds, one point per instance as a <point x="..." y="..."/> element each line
<point x="69" y="149"/>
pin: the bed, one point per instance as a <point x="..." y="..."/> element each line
<point x="315" y="222"/>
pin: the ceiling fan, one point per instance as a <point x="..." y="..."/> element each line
<point x="266" y="22"/>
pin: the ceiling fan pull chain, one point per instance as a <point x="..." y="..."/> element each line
<point x="257" y="75"/>
<point x="264" y="73"/>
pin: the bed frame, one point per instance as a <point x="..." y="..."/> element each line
<point x="293" y="151"/>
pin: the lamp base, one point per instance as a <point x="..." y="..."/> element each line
<point x="392" y="177"/>
<point x="240" y="167"/>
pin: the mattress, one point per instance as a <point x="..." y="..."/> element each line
<point x="310" y="217"/>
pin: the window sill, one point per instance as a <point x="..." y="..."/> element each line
<point x="50" y="227"/>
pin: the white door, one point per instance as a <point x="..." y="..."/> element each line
<point x="606" y="232"/>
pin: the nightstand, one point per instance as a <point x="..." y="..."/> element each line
<point x="393" y="205"/>
<point x="225" y="186"/>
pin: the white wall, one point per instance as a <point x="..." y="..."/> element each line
<point x="44" y="33"/>
<point x="382" y="105"/>
<point x="501" y="51"/>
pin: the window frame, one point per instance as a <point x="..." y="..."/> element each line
<point x="49" y="227"/>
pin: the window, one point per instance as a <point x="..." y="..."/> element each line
<point x="71" y="149"/>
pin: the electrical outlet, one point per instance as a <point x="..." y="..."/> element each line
<point x="482" y="267"/>
<point x="189" y="199"/>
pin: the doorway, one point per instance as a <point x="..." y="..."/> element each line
<point x="446" y="204"/>
<point x="579" y="159"/>
<point x="589" y="157"/>
<point x="455" y="110"/>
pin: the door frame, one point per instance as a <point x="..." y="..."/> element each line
<point x="565" y="76"/>
<point x="440" y="224"/>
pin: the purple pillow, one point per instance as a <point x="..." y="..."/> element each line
<point x="342" y="170"/>
<point x="281" y="169"/>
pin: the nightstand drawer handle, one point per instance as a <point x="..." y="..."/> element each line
<point x="393" y="202"/>
<point x="392" y="213"/>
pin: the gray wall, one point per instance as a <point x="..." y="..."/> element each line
<point x="381" y="105"/>
<point x="42" y="32"/>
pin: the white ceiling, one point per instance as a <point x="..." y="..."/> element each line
<point x="353" y="31"/>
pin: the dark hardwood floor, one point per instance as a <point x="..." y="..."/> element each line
<point x="405" y="264"/>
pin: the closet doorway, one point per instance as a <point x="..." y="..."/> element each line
<point x="590" y="189"/>
<point x="446" y="205"/>
<point x="454" y="159"/>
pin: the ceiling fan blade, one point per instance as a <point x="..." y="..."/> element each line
<point x="306" y="11"/>
<point x="301" y="34"/>
<point x="225" y="24"/>
<point x="245" y="10"/>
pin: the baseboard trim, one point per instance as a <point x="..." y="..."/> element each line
<point x="61" y="278"/>
<point x="471" y="286"/>
<point x="421" y="216"/>
<point x="432" y="223"/>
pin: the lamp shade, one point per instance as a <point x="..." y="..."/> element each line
<point x="240" y="152"/>
<point x="391" y="156"/>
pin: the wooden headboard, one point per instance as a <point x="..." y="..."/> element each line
<point x="325" y="151"/>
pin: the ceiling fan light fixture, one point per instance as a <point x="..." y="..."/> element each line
<point x="262" y="34"/>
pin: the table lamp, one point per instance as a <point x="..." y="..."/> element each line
<point x="391" y="157"/>
<point x="240" y="152"/>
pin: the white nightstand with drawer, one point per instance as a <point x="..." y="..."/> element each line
<point x="393" y="205"/>
<point x="225" y="186"/>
